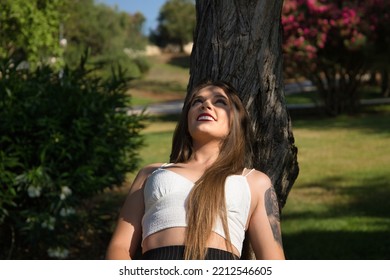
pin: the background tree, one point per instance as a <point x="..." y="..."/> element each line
<point x="176" y="22"/>
<point x="30" y="30"/>
<point x="378" y="13"/>
<point x="240" y="41"/>
<point x="331" y="43"/>
<point x="106" y="32"/>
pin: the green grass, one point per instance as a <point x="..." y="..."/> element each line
<point x="158" y="139"/>
<point x="309" y="97"/>
<point x="302" y="98"/>
<point x="167" y="79"/>
<point x="339" y="206"/>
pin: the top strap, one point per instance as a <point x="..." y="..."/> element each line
<point x="245" y="169"/>
<point x="166" y="164"/>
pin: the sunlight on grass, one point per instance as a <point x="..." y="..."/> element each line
<point x="157" y="144"/>
<point x="342" y="190"/>
<point x="164" y="81"/>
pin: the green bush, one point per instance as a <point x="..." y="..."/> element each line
<point x="64" y="137"/>
<point x="135" y="66"/>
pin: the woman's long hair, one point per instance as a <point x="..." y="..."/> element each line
<point x="206" y="201"/>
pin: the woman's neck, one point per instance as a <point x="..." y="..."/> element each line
<point x="205" y="154"/>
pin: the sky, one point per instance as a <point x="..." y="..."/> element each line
<point x="149" y="8"/>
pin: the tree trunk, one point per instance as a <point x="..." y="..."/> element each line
<point x="337" y="83"/>
<point x="240" y="41"/>
<point x="385" y="87"/>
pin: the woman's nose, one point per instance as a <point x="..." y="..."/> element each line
<point x="206" y="105"/>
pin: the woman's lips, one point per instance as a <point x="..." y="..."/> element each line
<point x="205" y="117"/>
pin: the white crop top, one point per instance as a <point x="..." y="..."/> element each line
<point x="165" y="194"/>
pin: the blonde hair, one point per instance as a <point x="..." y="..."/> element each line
<point x="206" y="200"/>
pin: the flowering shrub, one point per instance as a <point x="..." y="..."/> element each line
<point x="329" y="41"/>
<point x="62" y="140"/>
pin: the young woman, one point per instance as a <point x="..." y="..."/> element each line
<point x="201" y="204"/>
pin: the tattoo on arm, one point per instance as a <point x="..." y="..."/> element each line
<point x="272" y="208"/>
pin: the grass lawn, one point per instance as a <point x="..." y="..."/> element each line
<point x="339" y="206"/>
<point x="309" y="97"/>
<point x="166" y="80"/>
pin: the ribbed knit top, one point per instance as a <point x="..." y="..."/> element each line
<point x="165" y="194"/>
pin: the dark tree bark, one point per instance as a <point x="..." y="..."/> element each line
<point x="240" y="41"/>
<point x="385" y="87"/>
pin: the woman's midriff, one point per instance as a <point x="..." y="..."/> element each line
<point x="176" y="236"/>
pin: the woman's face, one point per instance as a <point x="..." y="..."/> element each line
<point x="209" y="114"/>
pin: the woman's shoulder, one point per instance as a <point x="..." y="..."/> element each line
<point x="143" y="174"/>
<point x="149" y="169"/>
<point x="260" y="187"/>
<point x="258" y="181"/>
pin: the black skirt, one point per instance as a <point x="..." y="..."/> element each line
<point x="177" y="253"/>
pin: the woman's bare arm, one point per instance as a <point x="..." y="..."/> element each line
<point x="264" y="225"/>
<point x="128" y="232"/>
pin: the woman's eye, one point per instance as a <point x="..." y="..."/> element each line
<point x="196" y="101"/>
<point x="221" y="101"/>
